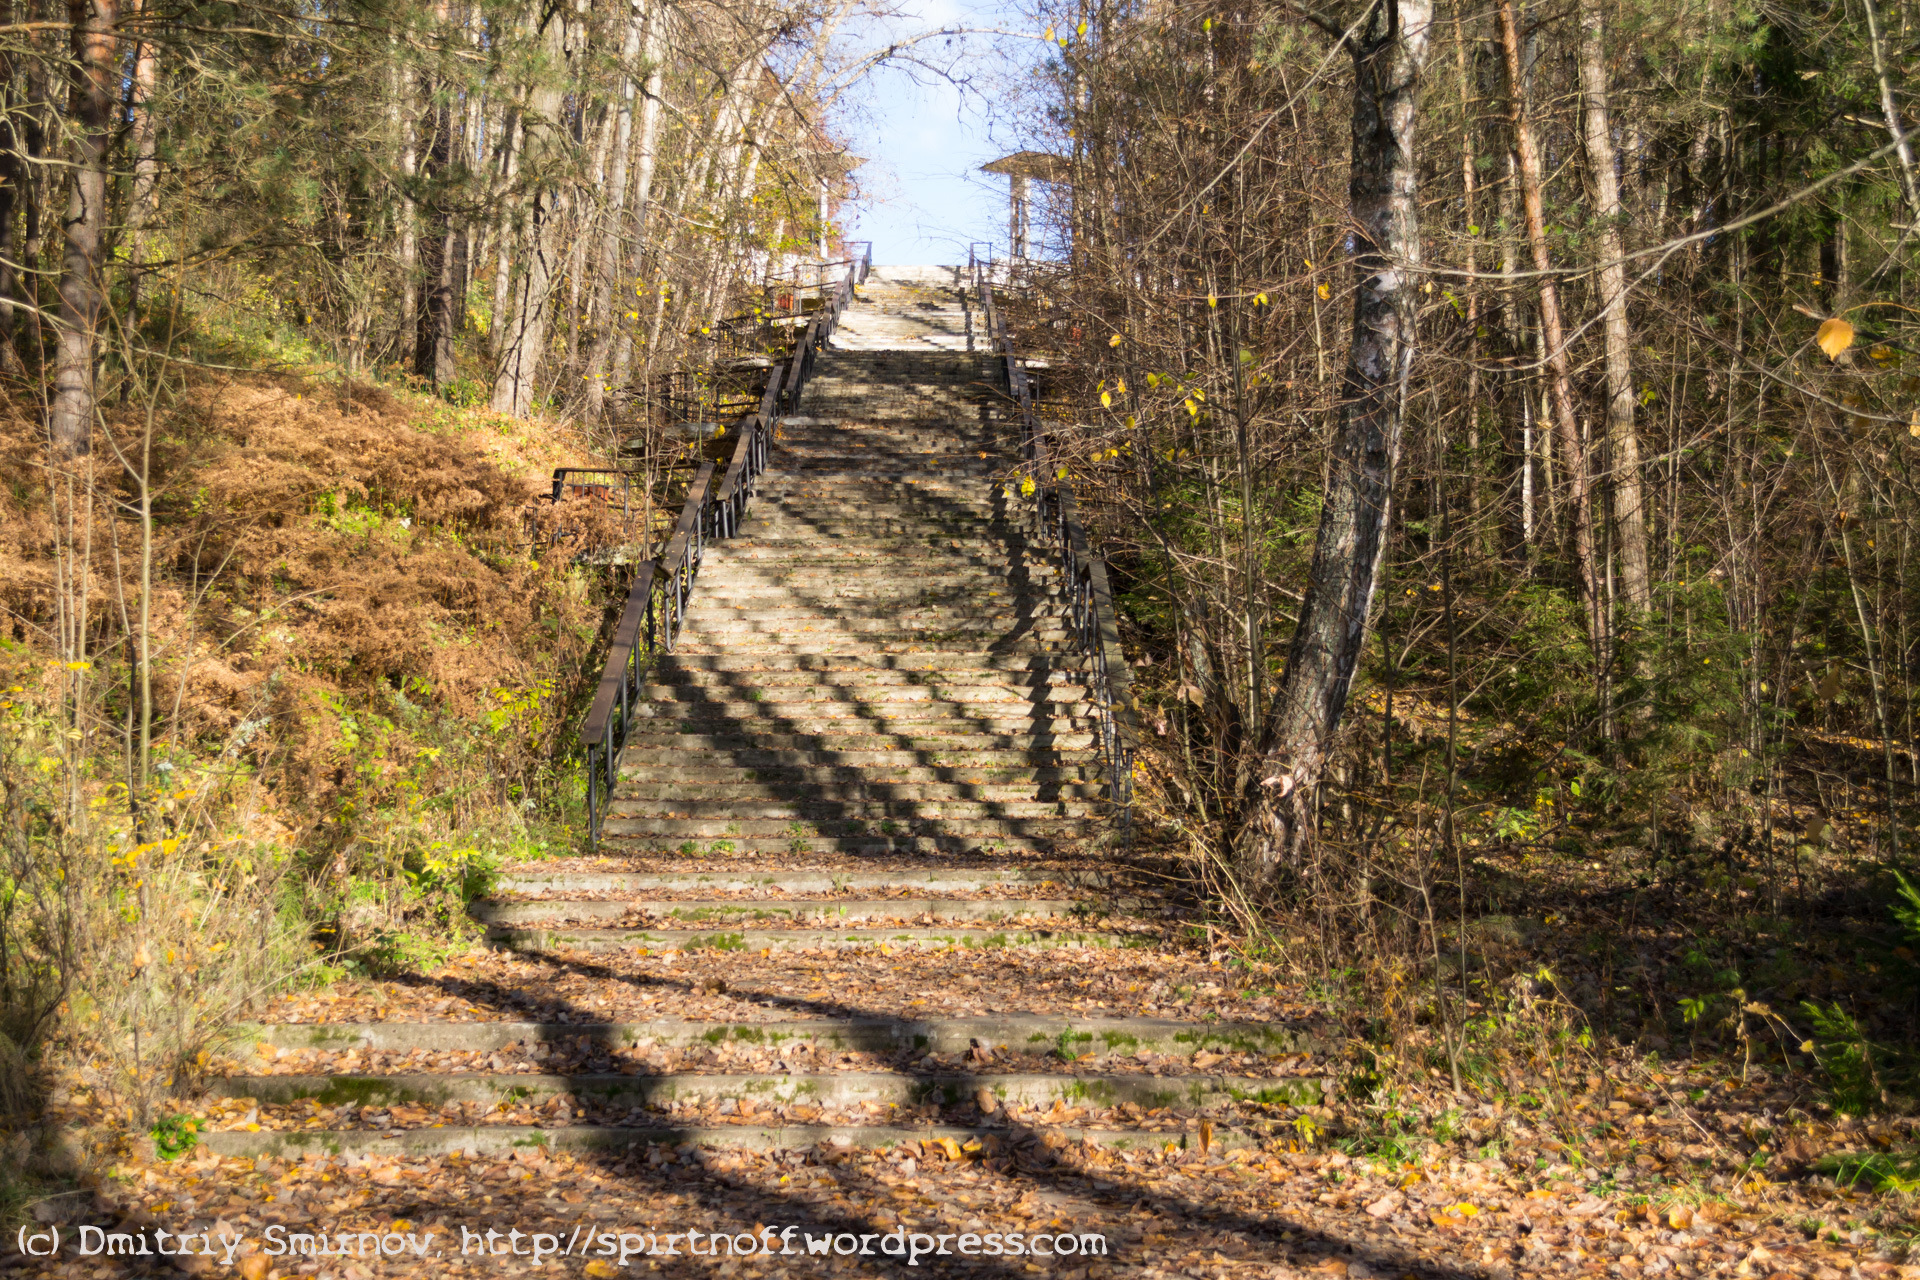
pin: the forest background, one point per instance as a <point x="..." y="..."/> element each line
<point x="1497" y="421"/>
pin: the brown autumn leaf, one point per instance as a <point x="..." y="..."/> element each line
<point x="1834" y="336"/>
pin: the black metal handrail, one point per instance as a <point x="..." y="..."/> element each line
<point x="1089" y="593"/>
<point x="657" y="602"/>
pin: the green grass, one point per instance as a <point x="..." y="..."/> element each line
<point x="1897" y="1172"/>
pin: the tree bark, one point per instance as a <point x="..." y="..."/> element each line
<point x="94" y="79"/>
<point x="1389" y="55"/>
<point x="144" y="208"/>
<point x="523" y="332"/>
<point x="602" y="314"/>
<point x="433" y="350"/>
<point x="1553" y="333"/>
<point x="1623" y="441"/>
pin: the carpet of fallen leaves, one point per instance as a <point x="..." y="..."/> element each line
<point x="1664" y="1197"/>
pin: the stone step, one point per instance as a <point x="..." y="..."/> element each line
<point x="505" y="1141"/>
<point x="842" y="689"/>
<point x="827" y="913"/>
<point x="1043" y="762"/>
<point x="994" y="613"/>
<point x="948" y="796"/>
<point x="929" y="748"/>
<point x="829" y="717"/>
<point x="826" y="816"/>
<point x="679" y="770"/>
<point x="932" y="879"/>
<point x="853" y="558"/>
<point x="821" y="1088"/>
<point x="868" y="682"/>
<point x="937" y="664"/>
<point x="798" y="939"/>
<point x="638" y="818"/>
<point x="1098" y="1036"/>
<point x="723" y="576"/>
<point x="613" y="835"/>
<point x="798" y="644"/>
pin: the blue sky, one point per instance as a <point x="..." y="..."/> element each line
<point x="925" y="139"/>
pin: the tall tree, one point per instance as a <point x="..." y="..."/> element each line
<point x="93" y="79"/>
<point x="1389" y="51"/>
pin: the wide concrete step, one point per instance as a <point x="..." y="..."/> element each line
<point x="859" y="821"/>
<point x="727" y="578"/>
<point x="916" y="557"/>
<point x="960" y="685"/>
<point x="1174" y="1037"/>
<point x="675" y="771"/>
<point x="645" y="737"/>
<point x="615" y="837"/>
<point x="871" y="717"/>
<point x="947" y="795"/>
<point x="990" y="614"/>
<point x="823" y="1088"/>
<point x="801" y="643"/>
<point x="505" y="1141"/>
<point x="726" y="880"/>
<point x="958" y="700"/>
<point x="828" y="816"/>
<point x="678" y="753"/>
<point x="937" y="665"/>
<point x="705" y="913"/>
<point x="985" y="937"/>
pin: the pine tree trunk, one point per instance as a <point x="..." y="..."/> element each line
<point x="523" y="332"/>
<point x="602" y="316"/>
<point x="1553" y="335"/>
<point x="433" y="351"/>
<point x="95" y="76"/>
<point x="1623" y="442"/>
<point x="1389" y="55"/>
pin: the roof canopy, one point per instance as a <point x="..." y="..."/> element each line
<point x="1040" y="165"/>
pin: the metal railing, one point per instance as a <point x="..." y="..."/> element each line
<point x="662" y="590"/>
<point x="1057" y="524"/>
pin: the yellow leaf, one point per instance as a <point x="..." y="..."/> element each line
<point x="1326" y="291"/>
<point x="1913" y="424"/>
<point x="1465" y="1210"/>
<point x="1259" y="299"/>
<point x="1081" y="29"/>
<point x="951" y="1148"/>
<point x="600" y="1269"/>
<point x="1212" y="301"/>
<point x="1114" y="341"/>
<point x="1121" y="386"/>
<point x="1049" y="34"/>
<point x="1106" y="399"/>
<point x="1834" y="336"/>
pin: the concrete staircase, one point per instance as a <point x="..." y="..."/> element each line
<point x="869" y="762"/>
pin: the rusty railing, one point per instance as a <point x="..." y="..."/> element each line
<point x="662" y="590"/>
<point x="1056" y="523"/>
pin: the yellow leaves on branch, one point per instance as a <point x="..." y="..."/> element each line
<point x="1834" y="336"/>
<point x="1114" y="341"/>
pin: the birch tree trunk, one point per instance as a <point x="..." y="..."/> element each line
<point x="1389" y="55"/>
